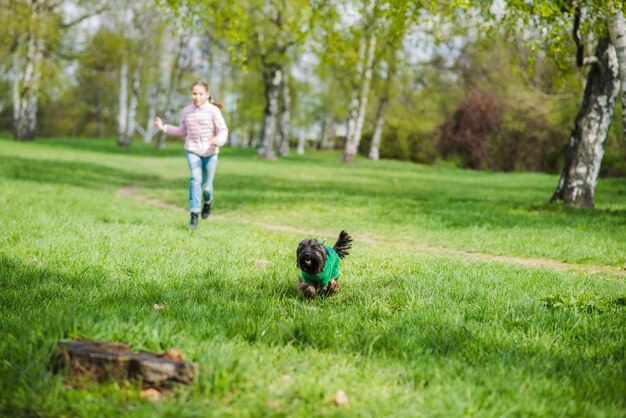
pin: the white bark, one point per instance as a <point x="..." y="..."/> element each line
<point x="174" y="71"/>
<point x="122" y="118"/>
<point x="26" y="88"/>
<point x="273" y="79"/>
<point x="354" y="137"/>
<point x="617" y="31"/>
<point x="33" y="96"/>
<point x="301" y="142"/>
<point x="586" y="146"/>
<point x="365" y="89"/>
<point x="149" y="131"/>
<point x="326" y="132"/>
<point x="353" y="108"/>
<point x="374" y="153"/>
<point x="134" y="102"/>
<point x="16" y="85"/>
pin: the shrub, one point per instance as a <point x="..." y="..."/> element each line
<point x="484" y="133"/>
<point x="464" y="133"/>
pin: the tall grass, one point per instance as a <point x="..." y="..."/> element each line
<point x="413" y="333"/>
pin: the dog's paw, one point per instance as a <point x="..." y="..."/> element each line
<point x="309" y="291"/>
<point x="334" y="286"/>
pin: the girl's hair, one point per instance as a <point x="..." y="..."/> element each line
<point x="206" y="87"/>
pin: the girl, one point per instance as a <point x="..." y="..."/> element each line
<point x="205" y="131"/>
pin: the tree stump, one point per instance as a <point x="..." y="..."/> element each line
<point x="114" y="360"/>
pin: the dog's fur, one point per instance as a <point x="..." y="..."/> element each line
<point x="311" y="258"/>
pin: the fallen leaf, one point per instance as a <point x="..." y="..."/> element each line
<point x="273" y="405"/>
<point x="173" y="354"/>
<point x="341" y="399"/>
<point x="260" y="263"/>
<point x="150" y="394"/>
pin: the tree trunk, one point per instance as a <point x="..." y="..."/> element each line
<point x="326" y="132"/>
<point x="374" y="153"/>
<point x="352" y="144"/>
<point x="301" y="142"/>
<point x="353" y="108"/>
<point x="152" y="109"/>
<point x="26" y="87"/>
<point x="285" y="121"/>
<point x="272" y="76"/>
<point x="586" y="145"/>
<point x="134" y="102"/>
<point x="122" y="117"/>
<point x="99" y="111"/>
<point x="15" y="72"/>
<point x="617" y="30"/>
<point x="175" y="74"/>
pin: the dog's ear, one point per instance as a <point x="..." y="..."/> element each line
<point x="300" y="248"/>
<point x="323" y="250"/>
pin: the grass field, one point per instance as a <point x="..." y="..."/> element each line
<point x="465" y="293"/>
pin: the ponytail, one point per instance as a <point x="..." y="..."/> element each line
<point x="219" y="105"/>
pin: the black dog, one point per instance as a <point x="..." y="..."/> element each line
<point x="320" y="265"/>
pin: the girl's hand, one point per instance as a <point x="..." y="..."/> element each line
<point x="159" y="123"/>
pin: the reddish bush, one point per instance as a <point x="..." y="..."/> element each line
<point x="463" y="135"/>
<point x="484" y="133"/>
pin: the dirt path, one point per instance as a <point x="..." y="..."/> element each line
<point x="131" y="191"/>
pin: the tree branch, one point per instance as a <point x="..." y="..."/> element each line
<point x="580" y="47"/>
<point x="83" y="17"/>
<point x="581" y="59"/>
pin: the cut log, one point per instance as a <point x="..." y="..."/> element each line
<point x="114" y="360"/>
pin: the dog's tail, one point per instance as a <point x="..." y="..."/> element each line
<point x="343" y="244"/>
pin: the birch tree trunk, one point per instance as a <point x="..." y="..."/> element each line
<point x="134" y="102"/>
<point x="285" y="117"/>
<point x="353" y="108"/>
<point x="352" y="143"/>
<point x="26" y="87"/>
<point x="326" y="132"/>
<point x="273" y="76"/>
<point x="617" y="31"/>
<point x="153" y="98"/>
<point x="122" y="117"/>
<point x="301" y="142"/>
<point x="15" y="72"/>
<point x="175" y="74"/>
<point x="374" y="153"/>
<point x="586" y="145"/>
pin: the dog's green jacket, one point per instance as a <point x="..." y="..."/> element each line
<point x="331" y="269"/>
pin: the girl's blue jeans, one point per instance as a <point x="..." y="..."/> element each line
<point x="202" y="171"/>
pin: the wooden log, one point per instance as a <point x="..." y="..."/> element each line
<point x="114" y="360"/>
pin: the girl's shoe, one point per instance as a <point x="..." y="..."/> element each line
<point x="193" y="223"/>
<point x="206" y="210"/>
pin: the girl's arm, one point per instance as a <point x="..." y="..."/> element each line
<point x="220" y="130"/>
<point x="170" y="129"/>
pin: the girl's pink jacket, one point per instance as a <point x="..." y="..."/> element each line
<point x="198" y="126"/>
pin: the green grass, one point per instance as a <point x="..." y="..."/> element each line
<point x="414" y="332"/>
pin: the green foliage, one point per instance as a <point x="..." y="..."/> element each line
<point x="585" y="302"/>
<point x="420" y="328"/>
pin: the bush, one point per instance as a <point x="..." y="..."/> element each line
<point x="416" y="146"/>
<point x="464" y="133"/>
<point x="525" y="142"/>
<point x="484" y="133"/>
